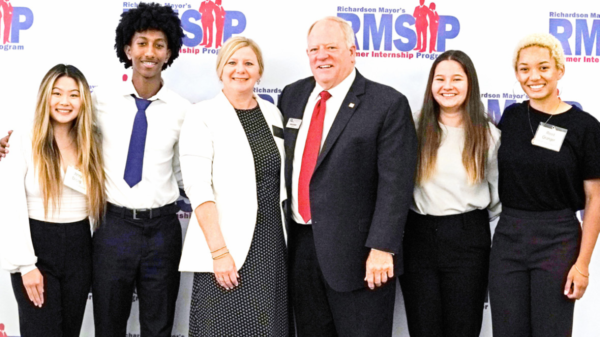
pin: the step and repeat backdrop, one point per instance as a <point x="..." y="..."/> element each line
<point x="37" y="34"/>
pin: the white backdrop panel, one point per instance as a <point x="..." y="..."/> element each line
<point x="81" y="32"/>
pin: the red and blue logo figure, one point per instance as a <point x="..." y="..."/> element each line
<point x="404" y="32"/>
<point x="212" y="14"/>
<point x="206" y="13"/>
<point x="422" y="14"/>
<point x="12" y="21"/>
<point x="217" y="24"/>
<point x="6" y="16"/>
<point x="219" y="21"/>
<point x="208" y="26"/>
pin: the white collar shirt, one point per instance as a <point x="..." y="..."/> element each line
<point x="161" y="175"/>
<point x="338" y="94"/>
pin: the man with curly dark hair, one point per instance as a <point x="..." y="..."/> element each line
<point x="138" y="245"/>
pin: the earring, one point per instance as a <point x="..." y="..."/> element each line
<point x="559" y="91"/>
<point x="258" y="82"/>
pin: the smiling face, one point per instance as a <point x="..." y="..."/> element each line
<point x="241" y="71"/>
<point x="65" y="101"/>
<point x="148" y="52"/>
<point x="537" y="73"/>
<point x="331" y="61"/>
<point x="450" y="86"/>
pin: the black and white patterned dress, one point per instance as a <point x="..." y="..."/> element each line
<point x="259" y="305"/>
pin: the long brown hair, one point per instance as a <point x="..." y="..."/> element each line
<point x="474" y="120"/>
<point x="88" y="142"/>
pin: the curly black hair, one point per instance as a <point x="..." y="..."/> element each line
<point x="149" y="16"/>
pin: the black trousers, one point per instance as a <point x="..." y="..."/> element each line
<point x="321" y="311"/>
<point x="532" y="254"/>
<point x="64" y="252"/>
<point x="445" y="273"/>
<point x="142" y="254"/>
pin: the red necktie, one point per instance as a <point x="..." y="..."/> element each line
<point x="311" y="153"/>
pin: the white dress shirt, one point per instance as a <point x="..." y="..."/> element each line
<point x="338" y="94"/>
<point x="448" y="191"/>
<point x="21" y="199"/>
<point x="161" y="175"/>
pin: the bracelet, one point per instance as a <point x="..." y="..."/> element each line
<point x="216" y="250"/>
<point x="579" y="271"/>
<point x="220" y="256"/>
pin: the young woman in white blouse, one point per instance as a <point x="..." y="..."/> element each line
<point x="52" y="187"/>
<point x="447" y="236"/>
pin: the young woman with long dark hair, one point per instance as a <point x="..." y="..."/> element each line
<point x="447" y="235"/>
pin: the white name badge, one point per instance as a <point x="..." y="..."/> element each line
<point x="549" y="137"/>
<point x="293" y="123"/>
<point x="74" y="180"/>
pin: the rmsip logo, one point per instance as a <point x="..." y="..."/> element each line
<point x="581" y="28"/>
<point x="211" y="25"/>
<point x="207" y="27"/>
<point x="424" y="32"/>
<point x="13" y="20"/>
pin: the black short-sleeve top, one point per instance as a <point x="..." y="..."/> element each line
<point x="533" y="178"/>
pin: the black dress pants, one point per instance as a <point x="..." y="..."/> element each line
<point x="445" y="273"/>
<point x="321" y="311"/>
<point x="144" y="254"/>
<point x="64" y="252"/>
<point x="532" y="254"/>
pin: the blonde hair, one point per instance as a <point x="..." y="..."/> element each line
<point x="234" y="44"/>
<point x="347" y="30"/>
<point x="88" y="142"/>
<point x="543" y="40"/>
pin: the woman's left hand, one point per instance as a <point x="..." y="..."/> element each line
<point x="226" y="272"/>
<point x="576" y="283"/>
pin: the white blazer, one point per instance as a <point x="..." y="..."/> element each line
<point x="217" y="165"/>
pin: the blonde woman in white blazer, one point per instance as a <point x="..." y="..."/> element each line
<point x="231" y="153"/>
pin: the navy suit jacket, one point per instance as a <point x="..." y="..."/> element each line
<point x="362" y="186"/>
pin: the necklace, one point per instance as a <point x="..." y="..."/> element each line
<point x="547" y="120"/>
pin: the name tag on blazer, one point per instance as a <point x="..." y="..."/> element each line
<point x="277" y="132"/>
<point x="293" y="123"/>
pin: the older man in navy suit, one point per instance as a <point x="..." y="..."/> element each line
<point x="351" y="154"/>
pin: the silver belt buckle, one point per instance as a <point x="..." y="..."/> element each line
<point x="138" y="210"/>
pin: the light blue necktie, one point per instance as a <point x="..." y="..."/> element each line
<point x="137" y="144"/>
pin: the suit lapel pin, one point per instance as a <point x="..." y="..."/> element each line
<point x="351" y="105"/>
